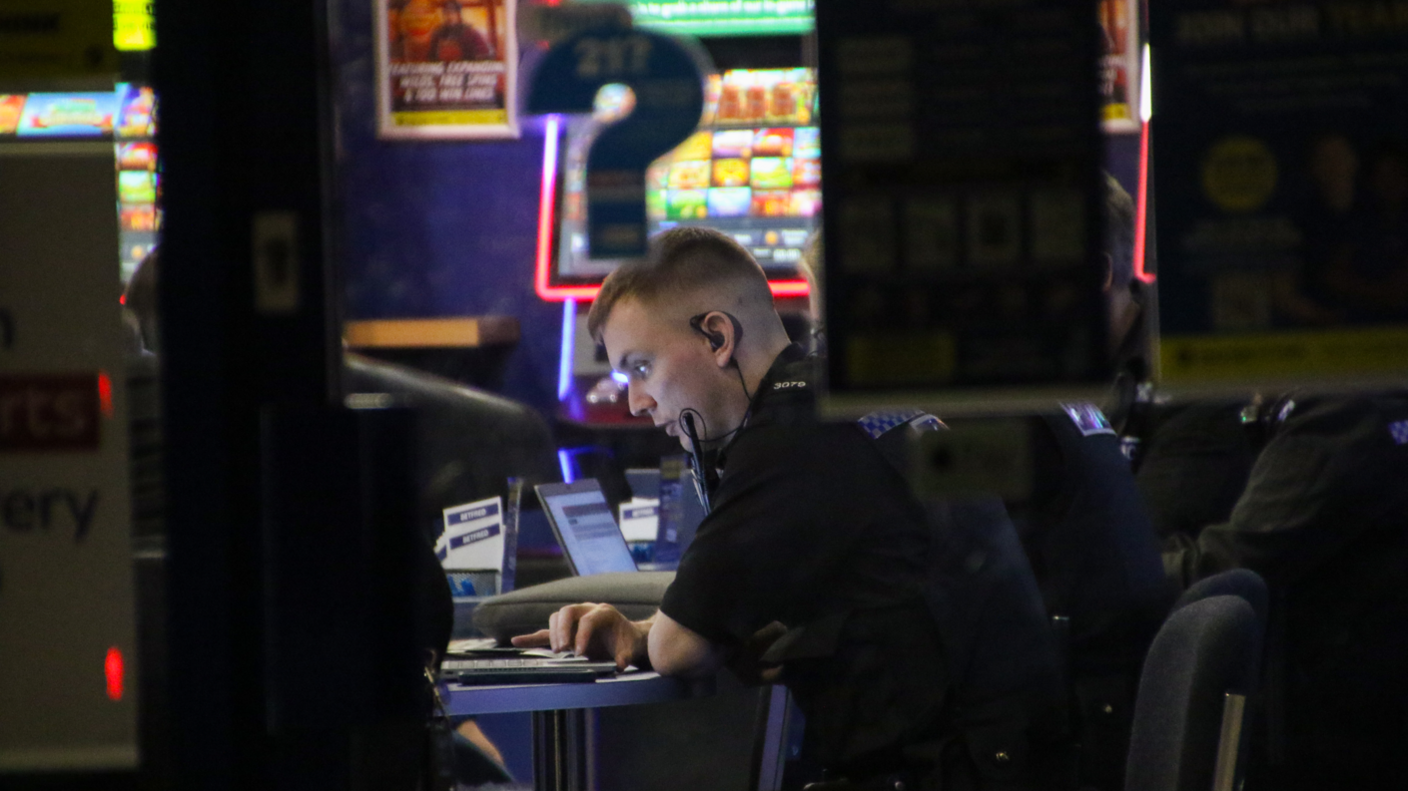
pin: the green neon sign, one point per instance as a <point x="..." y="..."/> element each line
<point x="722" y="17"/>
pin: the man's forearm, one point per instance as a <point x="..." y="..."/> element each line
<point x="676" y="650"/>
<point x="640" y="653"/>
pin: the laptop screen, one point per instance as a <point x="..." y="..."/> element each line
<point x="582" y="520"/>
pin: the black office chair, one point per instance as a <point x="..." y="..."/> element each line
<point x="1192" y="695"/>
<point x="1242" y="583"/>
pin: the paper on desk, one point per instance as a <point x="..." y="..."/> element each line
<point x="471" y="645"/>
<point x="640" y="519"/>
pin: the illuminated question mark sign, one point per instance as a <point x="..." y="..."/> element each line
<point x="668" y="81"/>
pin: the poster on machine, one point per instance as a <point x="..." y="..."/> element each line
<point x="1281" y="154"/>
<point x="1120" y="62"/>
<point x="446" y="69"/>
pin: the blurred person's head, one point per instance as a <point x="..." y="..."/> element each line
<point x="140" y="298"/>
<point x="693" y="327"/>
<point x="1121" y="287"/>
<point x="813" y="270"/>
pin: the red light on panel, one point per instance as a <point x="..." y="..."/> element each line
<point x="114" y="671"/>
<point x="788" y="288"/>
<point x="1141" y="210"/>
<point x="546" y="192"/>
<point x="105" y="393"/>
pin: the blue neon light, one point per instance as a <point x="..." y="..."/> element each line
<point x="569" y="343"/>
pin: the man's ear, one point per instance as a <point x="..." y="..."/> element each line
<point x="1109" y="280"/>
<point x="722" y="335"/>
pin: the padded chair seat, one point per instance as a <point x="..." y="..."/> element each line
<point x="636" y="594"/>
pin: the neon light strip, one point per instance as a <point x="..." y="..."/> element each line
<point x="565" y="461"/>
<point x="780" y="288"/>
<point x="1141" y="213"/>
<point x="788" y="288"/>
<point x="1141" y="209"/>
<point x="546" y="197"/>
<point x="569" y="343"/>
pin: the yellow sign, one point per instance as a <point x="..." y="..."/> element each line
<point x="436" y="117"/>
<point x="133" y="27"/>
<point x="56" y="38"/>
<point x="1273" y="355"/>
<point x="901" y="359"/>
<point x="1239" y="174"/>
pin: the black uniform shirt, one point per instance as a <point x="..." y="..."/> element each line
<point x="813" y="528"/>
<point x="808" y="520"/>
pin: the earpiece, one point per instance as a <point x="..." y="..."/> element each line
<point x="716" y="338"/>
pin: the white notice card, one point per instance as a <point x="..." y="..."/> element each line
<point x="640" y="519"/>
<point x="474" y="537"/>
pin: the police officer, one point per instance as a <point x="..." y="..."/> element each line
<point x="1096" y="559"/>
<point x="814" y="558"/>
<point x="1324" y="520"/>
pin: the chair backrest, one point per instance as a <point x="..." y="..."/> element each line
<point x="1242" y="583"/>
<point x="1187" y="716"/>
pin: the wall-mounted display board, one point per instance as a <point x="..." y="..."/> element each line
<point x="1281" y="184"/>
<point x="963" y="210"/>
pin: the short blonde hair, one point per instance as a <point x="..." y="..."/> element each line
<point x="677" y="262"/>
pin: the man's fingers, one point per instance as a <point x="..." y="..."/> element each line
<point x="586" y="627"/>
<point x="603" y="623"/>
<point x="563" y="625"/>
<point x="537" y="639"/>
<point x="594" y="621"/>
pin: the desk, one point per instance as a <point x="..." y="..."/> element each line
<point x="561" y="747"/>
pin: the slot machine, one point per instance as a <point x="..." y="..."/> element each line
<point x="751" y="170"/>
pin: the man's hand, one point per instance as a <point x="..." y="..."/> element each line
<point x="746" y="662"/>
<point x="596" y="631"/>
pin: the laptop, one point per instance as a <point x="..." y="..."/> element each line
<point x="508" y="666"/>
<point x="581" y="519"/>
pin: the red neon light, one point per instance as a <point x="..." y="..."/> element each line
<point x="546" y="195"/>
<point x="105" y="393"/>
<point x="789" y="288"/>
<point x="1141" y="216"/>
<point x="780" y="288"/>
<point x="114" y="671"/>
<point x="122" y="299"/>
